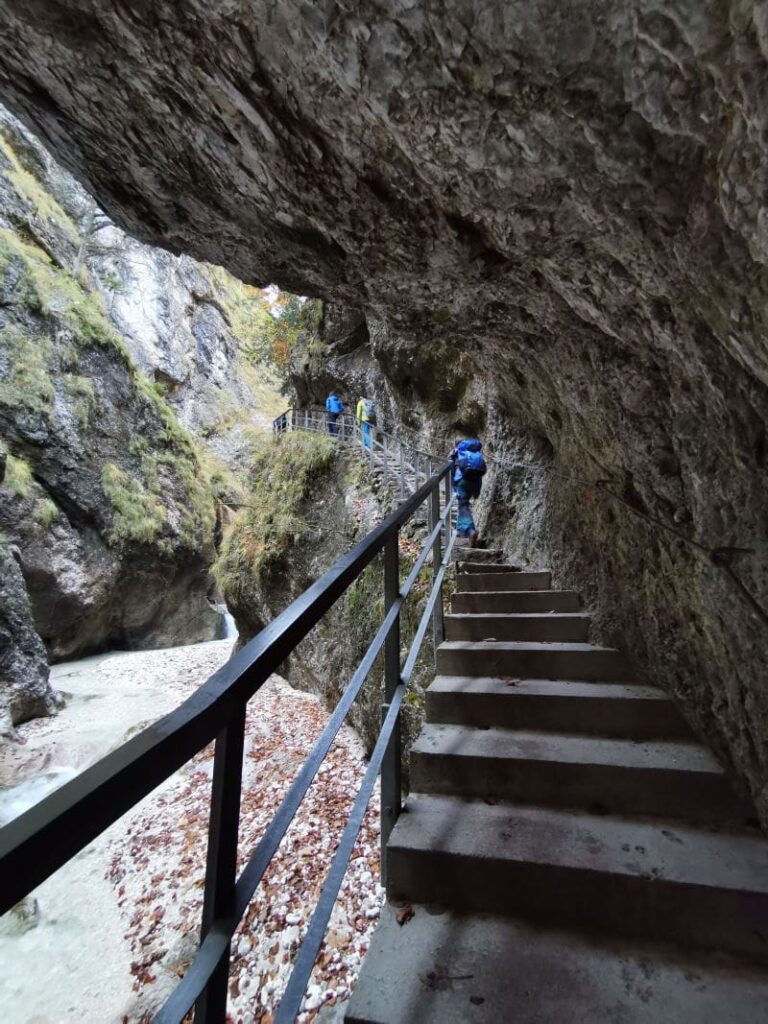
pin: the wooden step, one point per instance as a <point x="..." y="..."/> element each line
<point x="673" y="882"/>
<point x="529" y="660"/>
<point x="662" y="778"/>
<point x="573" y="626"/>
<point x="510" y="602"/>
<point x="452" y="968"/>
<point x="599" y="709"/>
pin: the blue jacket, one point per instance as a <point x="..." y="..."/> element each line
<point x="334" y="404"/>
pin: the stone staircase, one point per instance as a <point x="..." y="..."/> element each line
<point x="571" y="853"/>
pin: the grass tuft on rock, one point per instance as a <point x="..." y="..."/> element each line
<point x="138" y="515"/>
<point x="46" y="512"/>
<point x="282" y="476"/>
<point x="33" y="282"/>
<point x="25" y="378"/>
<point x="32" y="193"/>
<point x="18" y="476"/>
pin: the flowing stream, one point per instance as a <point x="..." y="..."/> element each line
<point x="63" y="955"/>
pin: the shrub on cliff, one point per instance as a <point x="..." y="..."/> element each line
<point x="282" y="475"/>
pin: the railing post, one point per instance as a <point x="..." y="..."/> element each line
<point x="438" y="623"/>
<point x="221" y="865"/>
<point x="402" y="473"/>
<point x="386" y="459"/>
<point x="343" y="431"/>
<point x="390" y="766"/>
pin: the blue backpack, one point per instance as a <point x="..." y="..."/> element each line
<point x="469" y="459"/>
<point x="334" y="404"/>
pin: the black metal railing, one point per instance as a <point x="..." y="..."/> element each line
<point x="403" y="466"/>
<point x="44" y="838"/>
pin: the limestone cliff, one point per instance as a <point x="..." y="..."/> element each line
<point x="24" y="688"/>
<point x="108" y="349"/>
<point x="569" y="196"/>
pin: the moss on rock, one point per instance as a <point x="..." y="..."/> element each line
<point x="282" y="475"/>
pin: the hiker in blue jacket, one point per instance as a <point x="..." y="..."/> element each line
<point x="468" y="470"/>
<point x="334" y="407"/>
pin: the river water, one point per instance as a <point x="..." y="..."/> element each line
<point x="64" y="958"/>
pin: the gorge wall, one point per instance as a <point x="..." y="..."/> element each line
<point x="124" y="394"/>
<point x="558" y="212"/>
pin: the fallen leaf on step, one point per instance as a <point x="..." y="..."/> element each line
<point x="439" y="980"/>
<point x="404" y="914"/>
<point x="489" y="640"/>
<point x="509" y="680"/>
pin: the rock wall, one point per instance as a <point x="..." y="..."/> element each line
<point x="24" y="688"/>
<point x="571" y="197"/>
<point x="108" y="350"/>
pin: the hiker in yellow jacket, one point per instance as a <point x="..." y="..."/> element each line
<point x="365" y="416"/>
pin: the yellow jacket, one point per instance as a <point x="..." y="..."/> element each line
<point x="360" y="412"/>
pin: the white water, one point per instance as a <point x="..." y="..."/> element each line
<point x="14" y="800"/>
<point x="229" y="628"/>
<point x="69" y="962"/>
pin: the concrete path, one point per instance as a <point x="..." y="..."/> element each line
<point x="569" y="851"/>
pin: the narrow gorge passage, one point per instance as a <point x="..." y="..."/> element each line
<point x="536" y="223"/>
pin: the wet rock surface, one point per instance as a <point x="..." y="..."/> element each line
<point x="24" y="688"/>
<point x="569" y="195"/>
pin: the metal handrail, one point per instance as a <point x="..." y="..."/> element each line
<point x="385" y="450"/>
<point x="45" y="837"/>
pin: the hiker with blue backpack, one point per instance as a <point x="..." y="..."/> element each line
<point x="468" y="470"/>
<point x="334" y="407"/>
<point x="365" y="414"/>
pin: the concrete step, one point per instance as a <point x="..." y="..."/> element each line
<point x="510" y="580"/>
<point x="451" y="968"/>
<point x="598" y="709"/>
<point x="569" y="626"/>
<point x="529" y="660"/>
<point x="510" y="602"/>
<point x="672" y="882"/>
<point x="470" y="566"/>
<point x="463" y="551"/>
<point x="665" y="779"/>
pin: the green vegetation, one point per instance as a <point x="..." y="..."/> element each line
<point x="269" y="324"/>
<point x="18" y="476"/>
<point x="82" y="397"/>
<point x="265" y="386"/>
<point x="32" y="192"/>
<point x="137" y="514"/>
<point x="27" y="383"/>
<point x="142" y="509"/>
<point x="54" y="293"/>
<point x="46" y="512"/>
<point x="283" y="473"/>
<point x="224" y="485"/>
